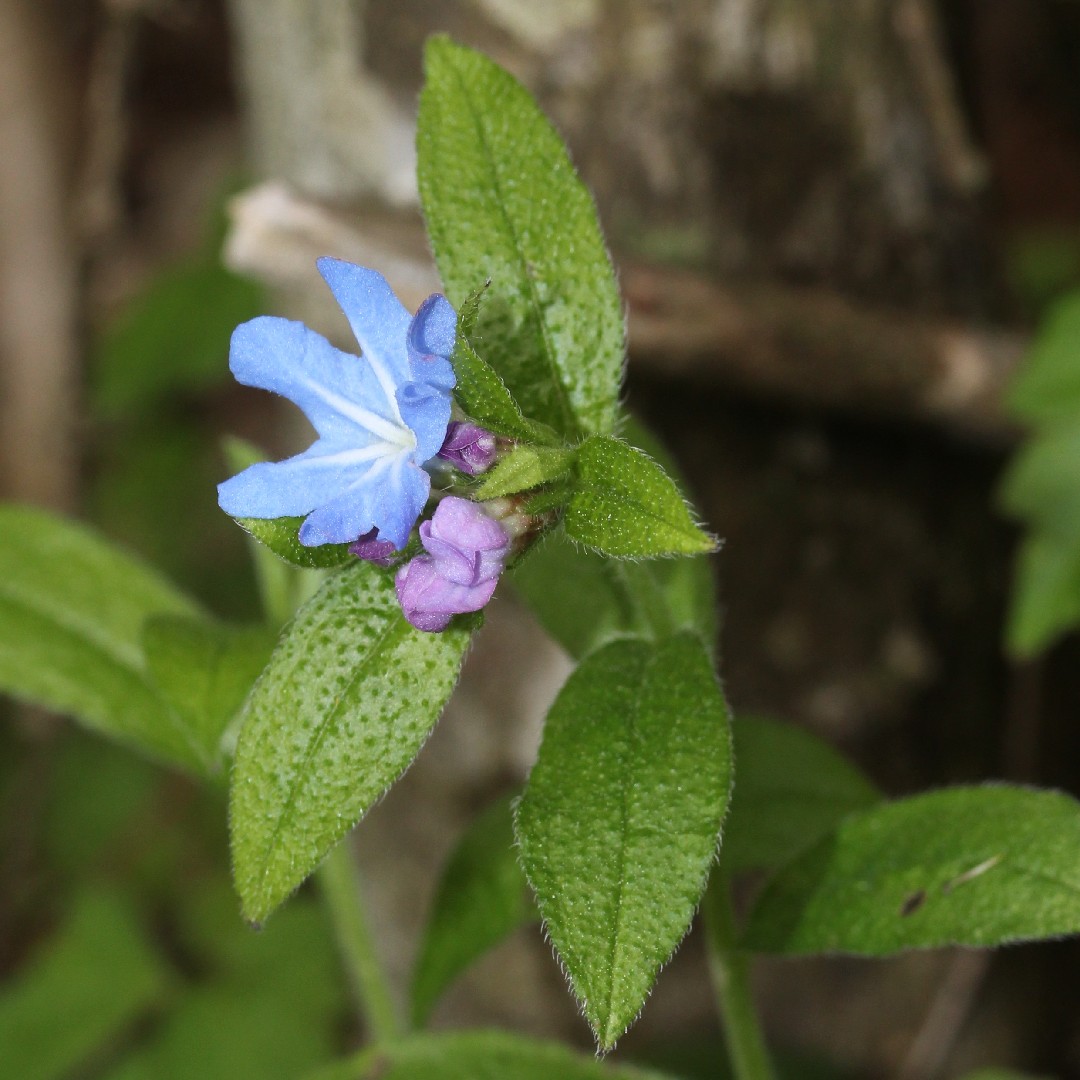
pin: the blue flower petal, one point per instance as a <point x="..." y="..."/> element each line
<point x="329" y="385"/>
<point x="394" y="499"/>
<point x="299" y="484"/>
<point x="378" y="318"/>
<point x="430" y="342"/>
<point x="426" y="409"/>
<point x="379" y="416"/>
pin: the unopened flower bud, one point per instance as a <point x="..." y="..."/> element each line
<point x="469" y="448"/>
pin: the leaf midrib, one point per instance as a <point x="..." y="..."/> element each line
<point x="394" y="628"/>
<point x="570" y="424"/>
<point x="620" y="895"/>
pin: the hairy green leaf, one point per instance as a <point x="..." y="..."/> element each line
<point x="625" y="505"/>
<point x="483" y="897"/>
<point x="1001" y="1074"/>
<point x="72" y="609"/>
<point x="621" y="816"/>
<point x="792" y="789"/>
<point x="502" y="203"/>
<point x="343" y="707"/>
<point x="477" y="1055"/>
<point x="974" y="866"/>
<point x="81" y="991"/>
<point x="1042" y="484"/>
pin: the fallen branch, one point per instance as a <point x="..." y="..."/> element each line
<point x="809" y="347"/>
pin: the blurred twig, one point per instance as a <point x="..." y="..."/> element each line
<point x="98" y="196"/>
<point x="809" y="346"/>
<point x="918" y="25"/>
<point x="952" y="1004"/>
<point x="39" y="299"/>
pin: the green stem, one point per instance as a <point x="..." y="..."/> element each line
<point x="340" y="887"/>
<point x="730" y="971"/>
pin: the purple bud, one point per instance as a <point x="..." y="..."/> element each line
<point x="468" y="448"/>
<point x="465" y="553"/>
<point x="371" y="549"/>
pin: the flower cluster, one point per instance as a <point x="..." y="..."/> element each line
<point x="382" y="419"/>
<point x="464" y="554"/>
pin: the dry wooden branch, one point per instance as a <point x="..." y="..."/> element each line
<point x="810" y="347"/>
<point x="39" y="302"/>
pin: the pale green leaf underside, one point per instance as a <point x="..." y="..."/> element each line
<point x="502" y="203"/>
<point x="483" y="896"/>
<point x="625" y="505"/>
<point x="343" y="707"/>
<point x="792" y="789"/>
<point x="620" y="819"/>
<point x="72" y="609"/>
<point x="477" y="1055"/>
<point x="975" y="866"/>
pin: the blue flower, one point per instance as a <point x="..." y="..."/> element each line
<point x="379" y="417"/>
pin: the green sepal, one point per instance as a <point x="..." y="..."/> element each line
<point x="280" y="536"/>
<point x="524" y="468"/>
<point x="624" y="504"/>
<point x="482" y="394"/>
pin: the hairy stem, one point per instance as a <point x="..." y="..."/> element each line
<point x="340" y="886"/>
<point x="730" y="971"/>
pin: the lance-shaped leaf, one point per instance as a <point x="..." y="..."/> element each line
<point x="971" y="866"/>
<point x="625" y="505"/>
<point x="620" y="819"/>
<point x="483" y="897"/>
<point x="343" y="707"/>
<point x="72" y="609"/>
<point x="502" y="202"/>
